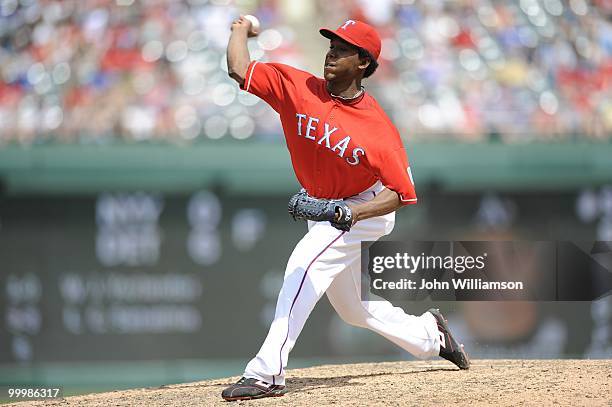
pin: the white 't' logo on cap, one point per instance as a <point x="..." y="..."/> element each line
<point x="347" y="23"/>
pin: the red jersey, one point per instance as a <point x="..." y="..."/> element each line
<point x="338" y="148"/>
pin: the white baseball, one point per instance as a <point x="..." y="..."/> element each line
<point x="254" y="23"/>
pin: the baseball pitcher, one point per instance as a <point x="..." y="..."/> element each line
<point x="349" y="159"/>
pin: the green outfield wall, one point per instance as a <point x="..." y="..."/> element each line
<point x="102" y="290"/>
<point x="255" y="168"/>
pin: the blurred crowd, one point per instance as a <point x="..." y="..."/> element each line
<point x="95" y="71"/>
<point x="509" y="70"/>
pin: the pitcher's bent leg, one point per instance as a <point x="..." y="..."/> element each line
<point x="415" y="334"/>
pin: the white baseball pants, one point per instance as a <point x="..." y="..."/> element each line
<point x="329" y="260"/>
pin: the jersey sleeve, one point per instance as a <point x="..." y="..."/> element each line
<point x="274" y="83"/>
<point x="394" y="172"/>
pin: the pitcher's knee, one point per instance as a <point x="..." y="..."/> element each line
<point x="354" y="319"/>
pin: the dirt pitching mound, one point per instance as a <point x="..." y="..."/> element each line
<point x="499" y="382"/>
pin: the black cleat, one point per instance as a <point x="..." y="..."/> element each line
<point x="450" y="349"/>
<point x="247" y="389"/>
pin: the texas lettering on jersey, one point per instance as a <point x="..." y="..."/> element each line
<point x="340" y="147"/>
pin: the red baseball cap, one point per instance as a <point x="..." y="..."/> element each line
<point x="357" y="33"/>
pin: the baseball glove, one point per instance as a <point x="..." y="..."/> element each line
<point x="304" y="207"/>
